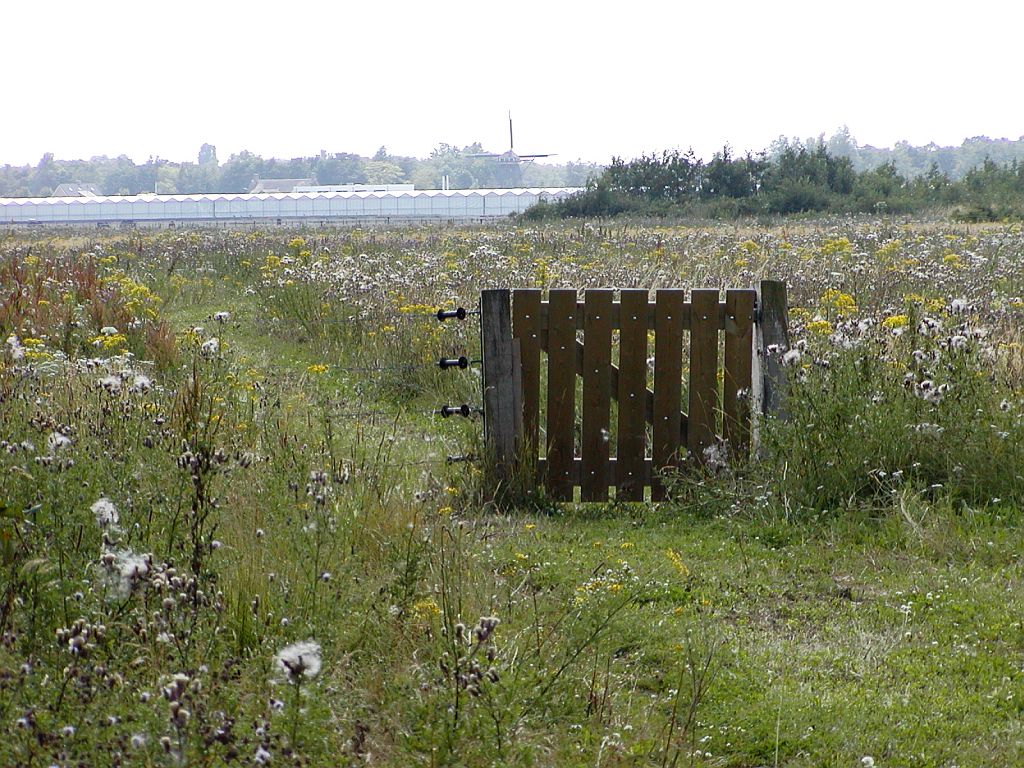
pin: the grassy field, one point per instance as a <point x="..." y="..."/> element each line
<point x="229" y="533"/>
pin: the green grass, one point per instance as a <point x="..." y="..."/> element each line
<point x="292" y="486"/>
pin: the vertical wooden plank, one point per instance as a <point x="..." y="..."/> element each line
<point x="526" y="328"/>
<point x="631" y="447"/>
<point x="739" y="358"/>
<point x="499" y="376"/>
<point x="561" y="403"/>
<point x="668" y="372"/>
<point x="703" y="400"/>
<point x="517" y="401"/>
<point x="597" y="359"/>
<point x="772" y="333"/>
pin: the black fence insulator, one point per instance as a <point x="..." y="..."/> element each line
<point x="448" y="314"/>
<point x="458" y="410"/>
<point x="460" y="459"/>
<point x="453" y="362"/>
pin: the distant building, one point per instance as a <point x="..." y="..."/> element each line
<point x="320" y="188"/>
<point x="266" y="186"/>
<point x="280" y="208"/>
<point x="75" y="189"/>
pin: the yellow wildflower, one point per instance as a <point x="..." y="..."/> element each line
<point x="895" y="321"/>
<point x="822" y="327"/>
<point x="677" y="562"/>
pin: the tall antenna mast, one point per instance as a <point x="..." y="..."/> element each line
<point x="511" y="145"/>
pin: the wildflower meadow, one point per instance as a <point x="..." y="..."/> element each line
<point x="234" y="530"/>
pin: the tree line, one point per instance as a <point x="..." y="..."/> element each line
<point x="793" y="177"/>
<point x="122" y="176"/>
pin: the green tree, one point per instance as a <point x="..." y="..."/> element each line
<point x="383" y="172"/>
<point x="208" y="155"/>
<point x="240" y="171"/>
<point x="340" y="168"/>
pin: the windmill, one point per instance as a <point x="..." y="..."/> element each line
<point x="510" y="164"/>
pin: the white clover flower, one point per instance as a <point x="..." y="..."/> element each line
<point x="299" y="660"/>
<point x="105" y="512"/>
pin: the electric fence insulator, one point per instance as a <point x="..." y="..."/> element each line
<point x="457" y="410"/>
<point x="448" y="314"/>
<point x="453" y="362"/>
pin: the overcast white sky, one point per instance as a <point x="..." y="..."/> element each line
<point x="582" y="79"/>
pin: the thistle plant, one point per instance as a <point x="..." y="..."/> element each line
<point x="297" y="663"/>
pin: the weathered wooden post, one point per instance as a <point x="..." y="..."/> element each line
<point x="502" y="384"/>
<point x="771" y="343"/>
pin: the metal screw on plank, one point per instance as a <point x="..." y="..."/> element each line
<point x="458" y="410"/>
<point x="462" y="362"/>
<point x="448" y="314"/>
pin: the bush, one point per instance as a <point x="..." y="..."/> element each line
<point x="891" y="411"/>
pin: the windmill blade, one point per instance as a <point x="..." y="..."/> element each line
<point x="525" y="157"/>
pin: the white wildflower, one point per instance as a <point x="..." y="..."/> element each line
<point x="110" y="383"/>
<point x="222" y="317"/>
<point x="108" y="330"/>
<point x="299" y="660"/>
<point x="142" y="383"/>
<point x="17" y="351"/>
<point x="210" y="347"/>
<point x="958" y="342"/>
<point x="56" y="441"/>
<point x="262" y="756"/>
<point x="105" y="512"/>
<point x="716" y="456"/>
<point x="791" y="358"/>
<point x="124" y="569"/>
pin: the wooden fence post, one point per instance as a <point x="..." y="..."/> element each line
<point x="772" y="332"/>
<point x="503" y="413"/>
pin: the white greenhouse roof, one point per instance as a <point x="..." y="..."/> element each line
<point x="215" y="197"/>
<point x="433" y="204"/>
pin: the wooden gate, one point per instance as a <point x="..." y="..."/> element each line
<point x="533" y="357"/>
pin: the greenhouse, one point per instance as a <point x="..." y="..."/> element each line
<point x="459" y="204"/>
